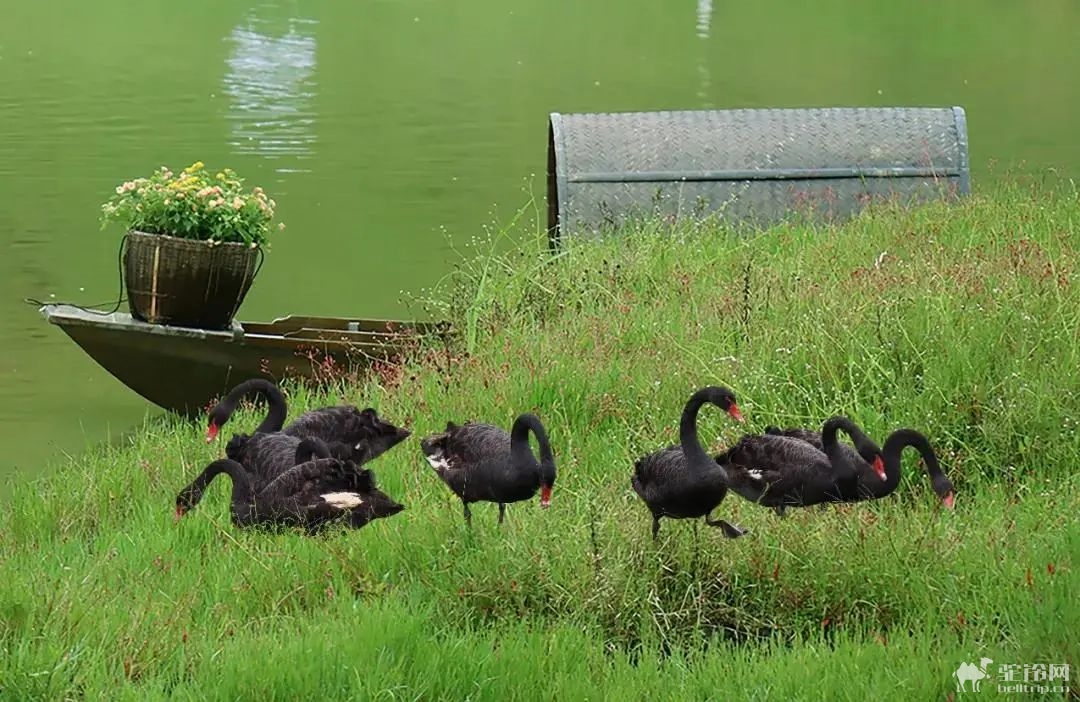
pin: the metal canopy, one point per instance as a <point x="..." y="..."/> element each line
<point x="752" y="166"/>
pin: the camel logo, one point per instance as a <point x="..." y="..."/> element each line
<point x="1027" y="678"/>
<point x="968" y="672"/>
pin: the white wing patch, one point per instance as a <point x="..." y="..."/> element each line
<point x="439" y="462"/>
<point x="754" y="473"/>
<point x="342" y="500"/>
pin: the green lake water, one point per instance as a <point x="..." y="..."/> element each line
<point x="387" y="129"/>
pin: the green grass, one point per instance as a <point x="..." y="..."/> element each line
<point x="961" y="322"/>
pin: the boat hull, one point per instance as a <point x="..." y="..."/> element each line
<point x="185" y="370"/>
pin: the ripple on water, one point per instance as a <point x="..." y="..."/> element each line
<point x="270" y="81"/>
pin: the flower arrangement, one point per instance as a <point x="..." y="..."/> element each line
<point x="193" y="205"/>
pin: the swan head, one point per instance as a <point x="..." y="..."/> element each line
<point x="186" y="501"/>
<point x="545" y="495"/>
<point x="724" y="398"/>
<point x="944" y="489"/>
<point x="217" y="418"/>
<point x="879" y="467"/>
<point x="867" y="449"/>
<point x="547" y="482"/>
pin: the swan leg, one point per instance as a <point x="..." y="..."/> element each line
<point x="502" y="512"/>
<point x="731" y="531"/>
<point x="779" y="509"/>
<point x="655" y="527"/>
<point x="468" y="514"/>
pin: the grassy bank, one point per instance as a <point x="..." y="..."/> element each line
<point x="961" y="322"/>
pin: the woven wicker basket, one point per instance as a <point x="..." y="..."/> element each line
<point x="186" y="282"/>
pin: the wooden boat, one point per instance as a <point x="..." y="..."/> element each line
<point x="183" y="370"/>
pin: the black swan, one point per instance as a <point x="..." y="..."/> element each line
<point x="312" y="495"/>
<point x="682" y="481"/>
<point x="849" y="462"/>
<point x="348" y="433"/>
<point x="364" y="430"/>
<point x="781" y="471"/>
<point x="869" y="488"/>
<point x="482" y="462"/>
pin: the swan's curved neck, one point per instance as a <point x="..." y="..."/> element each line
<point x="894" y="448"/>
<point x="522" y="452"/>
<point x="241" y="482"/>
<point x="698" y="459"/>
<point x="276" y="411"/>
<point x="830" y="435"/>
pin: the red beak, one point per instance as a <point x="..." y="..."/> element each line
<point x="879" y="468"/>
<point x="545" y="496"/>
<point x="948" y="500"/>
<point x="179" y="513"/>
<point x="735" y="413"/>
<point x="211" y="432"/>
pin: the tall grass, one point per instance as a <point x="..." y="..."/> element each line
<point x="958" y="321"/>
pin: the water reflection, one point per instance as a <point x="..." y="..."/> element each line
<point x="703" y="26"/>
<point x="704" y="18"/>
<point x="270" y="80"/>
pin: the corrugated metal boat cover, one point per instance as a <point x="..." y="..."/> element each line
<point x="753" y="166"/>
